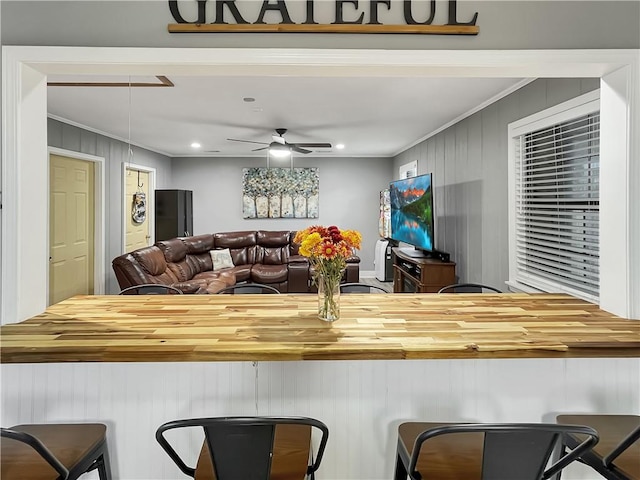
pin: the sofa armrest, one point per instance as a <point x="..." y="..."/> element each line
<point x="298" y="259"/>
<point x="187" y="287"/>
<point x="298" y="276"/>
<point x="352" y="274"/>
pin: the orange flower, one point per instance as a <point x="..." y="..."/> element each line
<point x="353" y="238"/>
<point x="344" y="250"/>
<point x="327" y="243"/>
<point x="328" y="250"/>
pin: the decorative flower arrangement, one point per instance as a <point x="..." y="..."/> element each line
<point x="328" y="249"/>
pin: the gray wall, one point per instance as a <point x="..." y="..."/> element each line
<point x="349" y="190"/>
<point x="476" y="226"/>
<point x="349" y="195"/>
<point x="62" y="135"/>
<point x="468" y="160"/>
<point x="503" y="25"/>
<point x="469" y="164"/>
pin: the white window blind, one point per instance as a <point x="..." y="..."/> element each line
<point x="557" y="206"/>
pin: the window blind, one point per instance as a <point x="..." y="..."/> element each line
<point x="557" y="206"/>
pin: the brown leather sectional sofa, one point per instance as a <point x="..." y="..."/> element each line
<point x="268" y="257"/>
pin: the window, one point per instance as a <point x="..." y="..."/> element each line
<point x="555" y="199"/>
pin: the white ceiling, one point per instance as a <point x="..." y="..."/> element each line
<point x="371" y="116"/>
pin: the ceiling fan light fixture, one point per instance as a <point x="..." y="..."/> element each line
<point x="279" y="150"/>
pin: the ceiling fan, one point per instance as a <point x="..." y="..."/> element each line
<point x="281" y="146"/>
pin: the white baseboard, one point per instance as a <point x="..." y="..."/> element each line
<point x="367" y="274"/>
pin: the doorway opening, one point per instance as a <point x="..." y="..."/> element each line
<point x="138" y="204"/>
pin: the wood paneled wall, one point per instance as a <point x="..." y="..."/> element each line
<point x="362" y="402"/>
<point x="469" y="165"/>
<point x="115" y="153"/>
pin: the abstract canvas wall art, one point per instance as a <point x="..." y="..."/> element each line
<point x="280" y="192"/>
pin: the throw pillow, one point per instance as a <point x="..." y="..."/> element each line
<point x="221" y="258"/>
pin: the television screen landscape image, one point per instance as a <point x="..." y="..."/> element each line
<point x="412" y="211"/>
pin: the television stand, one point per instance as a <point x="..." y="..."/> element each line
<point x="420" y="275"/>
<point x="417" y="253"/>
<point x="413" y="252"/>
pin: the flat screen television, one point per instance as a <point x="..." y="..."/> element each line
<point x="412" y="213"/>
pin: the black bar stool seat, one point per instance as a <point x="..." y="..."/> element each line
<point x="54" y="451"/>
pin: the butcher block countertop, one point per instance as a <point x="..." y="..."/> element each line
<point x="186" y="328"/>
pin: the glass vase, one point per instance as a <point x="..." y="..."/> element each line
<point x="328" y="298"/>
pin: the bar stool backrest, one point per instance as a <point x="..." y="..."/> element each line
<point x="151" y="289"/>
<point x="514" y="451"/>
<point x="241" y="447"/>
<point x="241" y="288"/>
<point x="361" y="288"/>
<point x="468" y="288"/>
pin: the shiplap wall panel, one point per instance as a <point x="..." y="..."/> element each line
<point x="559" y="89"/>
<point x="115" y="153"/>
<point x="494" y="205"/>
<point x="439" y="168"/>
<point x="533" y="96"/>
<point x="450" y="196"/>
<point x="469" y="164"/>
<point x="88" y="142"/>
<point x="461" y="213"/>
<point x="71" y="137"/>
<point x="362" y="402"/>
<point x="473" y="201"/>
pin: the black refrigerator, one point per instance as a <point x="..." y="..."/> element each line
<point x="174" y="214"/>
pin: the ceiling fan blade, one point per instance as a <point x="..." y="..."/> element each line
<point x="296" y="148"/>
<point x="258" y="149"/>
<point x="278" y="139"/>
<point x="312" y="145"/>
<point x="246" y="141"/>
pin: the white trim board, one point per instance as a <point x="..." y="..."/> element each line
<point x="24" y="132"/>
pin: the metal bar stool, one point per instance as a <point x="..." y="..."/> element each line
<point x="477" y="451"/>
<point x="468" y="288"/>
<point x="250" y="447"/>
<point x="151" y="289"/>
<point x="54" y="451"/>
<point x="360" y="288"/>
<point x="617" y="455"/>
<point x="247" y="288"/>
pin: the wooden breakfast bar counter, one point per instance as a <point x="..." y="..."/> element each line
<point x="135" y="362"/>
<point x="175" y="328"/>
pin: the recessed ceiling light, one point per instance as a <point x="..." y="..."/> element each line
<point x="340" y="146"/>
<point x="195" y="145"/>
<point x="248" y="99"/>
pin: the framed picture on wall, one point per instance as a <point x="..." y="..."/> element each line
<point x="280" y="192"/>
